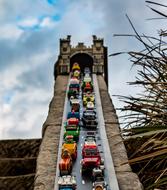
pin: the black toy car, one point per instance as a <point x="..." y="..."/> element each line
<point x="89" y="119"/>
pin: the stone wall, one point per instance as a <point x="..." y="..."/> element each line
<point x="19" y="148"/>
<point x="47" y="158"/>
<point x="18" y="163"/>
<point x="22" y="182"/>
<point x="127" y="180"/>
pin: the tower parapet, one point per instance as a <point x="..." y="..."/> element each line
<point x="94" y="57"/>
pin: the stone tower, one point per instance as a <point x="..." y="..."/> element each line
<point x="94" y="57"/>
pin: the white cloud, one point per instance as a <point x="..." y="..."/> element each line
<point x="47" y="22"/>
<point x="80" y="21"/>
<point x="28" y="22"/>
<point x="6" y="108"/>
<point x="31" y="23"/>
<point x="10" y="31"/>
<point x="24" y="115"/>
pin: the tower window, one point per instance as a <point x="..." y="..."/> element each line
<point x="64" y="49"/>
<point x="98" y="48"/>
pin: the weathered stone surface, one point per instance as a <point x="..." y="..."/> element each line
<point x="47" y="159"/>
<point x="126" y="178"/>
<point x="128" y="181"/>
<point x="19" y="166"/>
<point x="23" y="182"/>
<point x="18" y="163"/>
<point x="19" y="148"/>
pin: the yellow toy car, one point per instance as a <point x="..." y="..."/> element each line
<point x="71" y="146"/>
<point x="76" y="67"/>
<point x="88" y="97"/>
<point x="76" y="74"/>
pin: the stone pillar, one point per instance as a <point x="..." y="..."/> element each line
<point x="47" y="158"/>
<point x="127" y="180"/>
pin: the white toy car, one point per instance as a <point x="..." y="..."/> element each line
<point x="90" y="106"/>
<point x="67" y="182"/>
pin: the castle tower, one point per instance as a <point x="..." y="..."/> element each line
<point x="94" y="57"/>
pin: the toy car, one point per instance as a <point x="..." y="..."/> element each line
<point x="73" y="91"/>
<point x="87" y="75"/>
<point x="72" y="121"/>
<point x="73" y="130"/>
<point x="99" y="184"/>
<point x="71" y="99"/>
<point x="87" y="87"/>
<point x="74" y="80"/>
<point x="90" y="106"/>
<point x="98" y="173"/>
<point x="90" y="143"/>
<point x="71" y="146"/>
<point x="65" y="164"/>
<point x="76" y="74"/>
<point x="75" y="67"/>
<point x="67" y="182"/>
<point x="87" y="70"/>
<point x="88" y="97"/>
<point x="74" y="83"/>
<point x="91" y="157"/>
<point x="87" y="79"/>
<point x="89" y="148"/>
<point x="74" y="86"/>
<point x="89" y="119"/>
<point x="90" y="137"/>
<point x="75" y="106"/>
<point x="73" y="115"/>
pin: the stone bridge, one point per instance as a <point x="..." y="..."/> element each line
<point x="94" y="57"/>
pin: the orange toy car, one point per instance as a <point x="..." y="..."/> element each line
<point x="65" y="164"/>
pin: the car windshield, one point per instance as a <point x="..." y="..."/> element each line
<point x="100" y="179"/>
<point x="66" y="188"/>
<point x="89" y="115"/>
<point x="90" y="112"/>
<point x="74" y="85"/>
<point x="73" y="115"/>
<point x="90" y="139"/>
<point x="91" y="152"/>
<point x="75" y="104"/>
<point x="71" y="128"/>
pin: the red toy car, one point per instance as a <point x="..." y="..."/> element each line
<point x="88" y="87"/>
<point x="91" y="157"/>
<point x="73" y="121"/>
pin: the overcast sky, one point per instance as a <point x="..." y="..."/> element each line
<point x="29" y="46"/>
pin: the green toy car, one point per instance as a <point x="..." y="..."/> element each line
<point x="73" y="92"/>
<point x="73" y="130"/>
